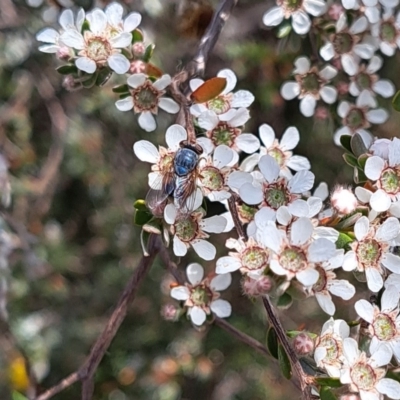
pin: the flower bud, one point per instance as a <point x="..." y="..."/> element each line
<point x="138" y="49"/>
<point x="335" y="11"/>
<point x="303" y="344"/>
<point x="169" y="312"/>
<point x="343" y="201"/>
<point x="137" y="67"/>
<point x="256" y="287"/>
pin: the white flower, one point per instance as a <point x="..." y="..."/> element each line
<point x="366" y="79"/>
<point x="226" y="100"/>
<point x="114" y="12"/>
<point x="363" y="374"/>
<point x="100" y="45"/>
<point x="385" y="177"/>
<point x="384" y="322"/>
<point x="201" y="296"/>
<point x="52" y="37"/>
<point x="224" y="130"/>
<point x="189" y="229"/>
<point x="371" y="251"/>
<point x="327" y="284"/>
<point x="274" y="191"/>
<point x="250" y="257"/>
<point x="328" y="352"/>
<point x="387" y="32"/>
<point x="297" y="253"/>
<point x="357" y="117"/>
<point x="345" y="44"/>
<point x="299" y="12"/>
<point x="145" y="98"/>
<point x="310" y="85"/>
<point x="369" y="7"/>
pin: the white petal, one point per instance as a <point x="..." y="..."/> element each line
<point x="97" y="20"/>
<point x="391" y="262"/>
<point x="328" y="72"/>
<point x="223" y="155"/>
<point x="242" y="98"/>
<point x="384" y="87"/>
<point x="180" y="293"/>
<point x="136" y="80"/>
<point x="263" y="216"/>
<point x="125" y="104"/>
<point x="179" y="247"/>
<point x="359" y="25"/>
<point x="147" y="121"/>
<point x="114" y="13"/>
<point x="343" y="109"/>
<point x="374" y="279"/>
<point x="267" y="135"/>
<point x="394" y="153"/>
<point x="86" y="64"/>
<point x="298" y="208"/>
<point x="215" y="224"/>
<point x="208" y="120"/>
<point x="378" y="116"/>
<point x="307" y="105"/>
<point x="227" y="264"/>
<point x="301" y="182"/>
<point x="380" y="201"/>
<point x="350" y="261"/>
<point x="169" y="105"/>
<point x="290" y="90"/>
<point x="349" y="64"/>
<point x="382" y="356"/>
<point x="122" y="40"/>
<point x="390" y="299"/>
<point x="132" y="21"/>
<point x="241" y="116"/>
<point x="221" y="308"/>
<point x="328" y="94"/>
<point x="221" y="282"/>
<point x="364" y="50"/>
<point x="248" y="143"/>
<point x="374" y="64"/>
<point x="250" y="194"/>
<point x="301" y="231"/>
<point x="118" y="63"/>
<point x="204" y="249"/>
<point x="49" y="48"/>
<point x="388" y="230"/>
<point x="238" y="178"/>
<point x="326" y="303"/>
<point x="321" y="250"/>
<point x="163" y="82"/>
<point x="361" y="228"/>
<point x="363" y="194"/>
<point x="269" y="168"/>
<point x="365" y="310"/>
<point x="197" y="315"/>
<point x="315" y="7"/>
<point x="146" y="151"/>
<point x="308" y="277"/>
<point x="72" y="38"/>
<point x="302" y="65"/>
<point x="273" y="17"/>
<point x="194" y="273"/>
<point x="290" y="138"/>
<point x="374" y="167"/>
<point x="231" y="79"/>
<point x="301" y="22"/>
<point x="272" y="238"/>
<point x="327" y="51"/>
<point x="66" y="19"/>
<point x="48" y="35"/>
<point x="342" y="289"/>
<point x="389" y="387"/>
<point x="350" y="350"/>
<point x="175" y="135"/>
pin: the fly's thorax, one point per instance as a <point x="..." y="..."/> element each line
<point x="185" y="161"/>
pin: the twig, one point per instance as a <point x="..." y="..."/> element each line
<point x="197" y="66"/>
<point x="236" y="220"/>
<point x="280" y="332"/>
<point x="86" y="372"/>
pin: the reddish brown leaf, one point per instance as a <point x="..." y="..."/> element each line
<point x="208" y="90"/>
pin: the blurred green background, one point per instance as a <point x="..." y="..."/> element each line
<point x="69" y="233"/>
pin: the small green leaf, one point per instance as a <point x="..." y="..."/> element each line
<point x="103" y="76"/>
<point x="67" y="69"/>
<point x="142" y="217"/>
<point x="396" y="101"/>
<point x="284" y="362"/>
<point x="284" y="30"/>
<point x="357" y="144"/>
<point x="345" y="142"/>
<point x="327" y="394"/>
<point x="144" y="242"/>
<point x="284" y="301"/>
<point x="85" y="26"/>
<point x="148" y="53"/>
<point x="272" y="342"/>
<point x="343" y="241"/>
<point x="349" y="221"/>
<point x="18" y="396"/>
<point x="90" y="81"/>
<point x="121" y="89"/>
<point x="328" y="381"/>
<point x="137" y="36"/>
<point x="359" y="176"/>
<point x="350" y="159"/>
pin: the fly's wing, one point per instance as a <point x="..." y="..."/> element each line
<point x="157" y="196"/>
<point x="185" y="193"/>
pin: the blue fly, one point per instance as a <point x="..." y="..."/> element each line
<point x="178" y="181"/>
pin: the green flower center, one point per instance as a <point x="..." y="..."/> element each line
<point x="368" y="252"/>
<point x="186" y="229"/>
<point x="201" y="296"/>
<point x="311" y="83"/>
<point x="254" y="258"/>
<point x="211" y="178"/>
<point x="363" y="376"/>
<point x="384" y="327"/>
<point x="388" y="32"/>
<point x="219" y="105"/>
<point x="278" y="156"/>
<point x="246" y="213"/>
<point x="293" y="259"/>
<point x="343" y="42"/>
<point x="98" y="49"/>
<point x="355" y="119"/>
<point x="276" y="196"/>
<point x="390" y="181"/>
<point x="363" y="81"/>
<point x="224" y="134"/>
<point x="292" y="5"/>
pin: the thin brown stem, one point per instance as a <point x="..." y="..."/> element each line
<point x="280" y="332"/>
<point x="236" y="220"/>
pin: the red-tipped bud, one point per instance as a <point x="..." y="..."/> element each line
<point x="343" y="201"/>
<point x="256" y="287"/>
<point x="169" y="312"/>
<point x="303" y="344"/>
<point x="138" y="49"/>
<point x="137" y="67"/>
